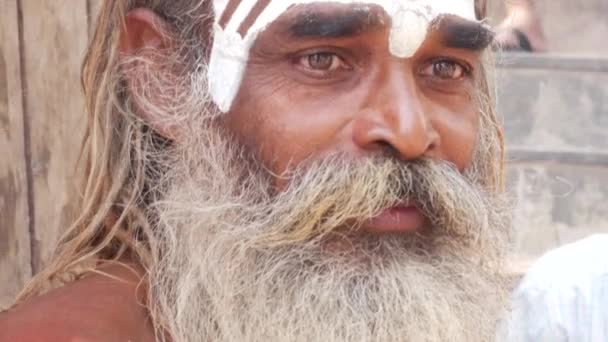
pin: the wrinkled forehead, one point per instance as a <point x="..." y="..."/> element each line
<point x="409" y="18"/>
<point x="269" y="10"/>
<point x="238" y="23"/>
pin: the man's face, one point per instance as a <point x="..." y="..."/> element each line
<point x="323" y="79"/>
<point x="340" y="129"/>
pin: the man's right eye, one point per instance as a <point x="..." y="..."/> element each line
<point x="325" y="62"/>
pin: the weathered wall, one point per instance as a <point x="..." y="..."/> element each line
<point x="41" y="122"/>
<point x="556" y="123"/>
<point x="15" y="266"/>
<point x="54" y="39"/>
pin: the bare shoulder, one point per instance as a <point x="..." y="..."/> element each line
<point x="27" y="326"/>
<point x="97" y="308"/>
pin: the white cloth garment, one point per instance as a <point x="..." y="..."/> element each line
<point x="564" y="296"/>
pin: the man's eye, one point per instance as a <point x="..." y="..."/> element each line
<point x="445" y="70"/>
<point x="322" y="61"/>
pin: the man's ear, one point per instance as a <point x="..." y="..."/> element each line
<point x="143" y="29"/>
<point x="144" y="37"/>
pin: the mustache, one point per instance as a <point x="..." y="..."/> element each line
<point x="239" y="259"/>
<point x="338" y="192"/>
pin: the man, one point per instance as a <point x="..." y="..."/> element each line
<point x="277" y="170"/>
<point x="564" y="295"/>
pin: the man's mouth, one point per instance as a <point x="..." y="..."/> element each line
<point x="406" y="218"/>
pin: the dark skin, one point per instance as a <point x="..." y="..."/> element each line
<point x="309" y="91"/>
<point x="97" y="308"/>
<point x="413" y="107"/>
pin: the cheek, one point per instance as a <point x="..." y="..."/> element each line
<point x="459" y="134"/>
<point x="284" y="125"/>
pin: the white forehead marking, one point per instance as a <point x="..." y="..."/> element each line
<point x="230" y="51"/>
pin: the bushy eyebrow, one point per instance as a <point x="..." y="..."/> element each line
<point x="342" y="24"/>
<point x="456" y="32"/>
<point x="464" y="34"/>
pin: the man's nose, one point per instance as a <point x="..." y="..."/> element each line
<point x="394" y="119"/>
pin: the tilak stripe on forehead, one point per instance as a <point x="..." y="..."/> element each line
<point x="229" y="12"/>
<point x="239" y="22"/>
<point x="253" y="15"/>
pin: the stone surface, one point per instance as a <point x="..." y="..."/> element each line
<point x="556" y="120"/>
<point x="554" y="107"/>
<point x="557" y="204"/>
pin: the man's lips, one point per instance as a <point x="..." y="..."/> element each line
<point x="398" y="219"/>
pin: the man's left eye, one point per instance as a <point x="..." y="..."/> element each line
<point x="445" y="70"/>
<point x="322" y="62"/>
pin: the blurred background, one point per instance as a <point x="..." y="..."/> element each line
<point x="555" y="108"/>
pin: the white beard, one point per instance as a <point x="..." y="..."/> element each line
<point x="236" y="263"/>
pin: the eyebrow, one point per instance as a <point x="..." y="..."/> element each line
<point x="317" y="24"/>
<point x="456" y="32"/>
<point x="464" y="34"/>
